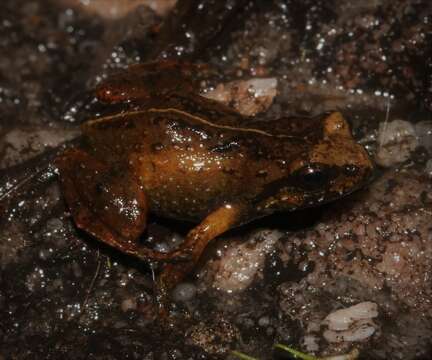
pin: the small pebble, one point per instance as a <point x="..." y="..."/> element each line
<point x="424" y="134"/>
<point x="128" y="304"/>
<point x="184" y="292"/>
<point x="264" y="321"/>
<point x="428" y="168"/>
<point x="396" y="140"/>
<point x="44" y="253"/>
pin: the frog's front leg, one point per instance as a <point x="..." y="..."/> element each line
<point x="216" y="223"/>
<point x="106" y="202"/>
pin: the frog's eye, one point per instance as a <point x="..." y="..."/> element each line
<point x="312" y="177"/>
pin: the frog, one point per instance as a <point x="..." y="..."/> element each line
<point x="164" y="149"/>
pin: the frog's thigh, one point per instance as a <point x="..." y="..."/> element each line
<point x="142" y="81"/>
<point x="197" y="240"/>
<point x="109" y="205"/>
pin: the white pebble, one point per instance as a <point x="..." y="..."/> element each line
<point x="342" y="319"/>
<point x="359" y="333"/>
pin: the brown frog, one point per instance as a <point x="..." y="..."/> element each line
<point x="169" y="151"/>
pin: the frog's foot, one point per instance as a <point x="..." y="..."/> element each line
<point x="196" y="241"/>
<point x="143" y="81"/>
<point x="108" y="204"/>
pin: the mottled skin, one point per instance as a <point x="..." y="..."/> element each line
<point x="179" y="155"/>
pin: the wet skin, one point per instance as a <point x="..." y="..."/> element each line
<point x="169" y="151"/>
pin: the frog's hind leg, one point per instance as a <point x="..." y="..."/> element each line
<point x="216" y="223"/>
<point x="108" y="204"/>
<point x="140" y="82"/>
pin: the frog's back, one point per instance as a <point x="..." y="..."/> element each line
<point x="191" y="162"/>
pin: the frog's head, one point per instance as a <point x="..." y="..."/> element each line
<point x="332" y="165"/>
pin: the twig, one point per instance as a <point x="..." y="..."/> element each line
<point x="385" y="121"/>
<point x="242" y="356"/>
<point x="92" y="283"/>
